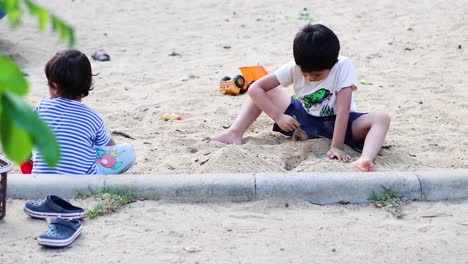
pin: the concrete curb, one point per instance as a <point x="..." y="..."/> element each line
<point x="30" y="186"/>
<point x="326" y="188"/>
<point x="320" y="188"/>
<point x="188" y="187"/>
<point x="443" y="185"/>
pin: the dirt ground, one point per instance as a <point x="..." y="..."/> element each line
<point x="412" y="63"/>
<point x="168" y="57"/>
<point x="256" y="232"/>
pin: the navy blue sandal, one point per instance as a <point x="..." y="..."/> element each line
<point x="53" y="207"/>
<point x="61" y="233"/>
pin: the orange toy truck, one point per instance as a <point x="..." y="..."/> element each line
<point x="239" y="84"/>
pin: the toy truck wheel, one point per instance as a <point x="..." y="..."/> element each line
<point x="246" y="88"/>
<point x="226" y="78"/>
<point x="239" y="81"/>
<point x="249" y="84"/>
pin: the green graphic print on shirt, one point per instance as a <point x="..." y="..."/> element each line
<point x="315" y="99"/>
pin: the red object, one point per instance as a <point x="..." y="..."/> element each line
<point x="106" y="160"/>
<point x="26" y="167"/>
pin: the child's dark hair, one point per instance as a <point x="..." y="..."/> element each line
<point x="316" y="48"/>
<point x="69" y="71"/>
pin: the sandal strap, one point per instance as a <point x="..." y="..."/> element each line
<point x="73" y="224"/>
<point x="49" y="202"/>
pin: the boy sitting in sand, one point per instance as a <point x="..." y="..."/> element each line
<point x="85" y="146"/>
<point x="323" y="82"/>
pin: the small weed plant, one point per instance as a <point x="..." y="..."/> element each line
<point x="111" y="199"/>
<point x="392" y="202"/>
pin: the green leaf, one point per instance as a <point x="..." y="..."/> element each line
<point x="13" y="11"/>
<point x="11" y="3"/>
<point x="11" y="77"/>
<point x="40" y="12"/>
<point x="65" y="31"/>
<point x="42" y="136"/>
<point x="14" y="17"/>
<point x="43" y="18"/>
<point x="16" y="142"/>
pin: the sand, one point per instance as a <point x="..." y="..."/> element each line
<point x="410" y="55"/>
<point x="258" y="232"/>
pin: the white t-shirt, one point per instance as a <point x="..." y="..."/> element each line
<point x="319" y="98"/>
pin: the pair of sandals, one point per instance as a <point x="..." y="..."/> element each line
<point x="65" y="226"/>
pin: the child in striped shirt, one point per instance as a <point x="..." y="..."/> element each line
<point x="85" y="145"/>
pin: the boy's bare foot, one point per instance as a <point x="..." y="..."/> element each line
<point x="227" y="137"/>
<point x="363" y="164"/>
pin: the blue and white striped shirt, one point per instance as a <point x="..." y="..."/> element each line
<point x="78" y="129"/>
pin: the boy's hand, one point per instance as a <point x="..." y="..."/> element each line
<point x="287" y="123"/>
<point x="336" y="153"/>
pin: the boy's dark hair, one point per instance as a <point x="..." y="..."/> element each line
<point x="316" y="48"/>
<point x="70" y="72"/>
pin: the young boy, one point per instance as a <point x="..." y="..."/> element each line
<point x="85" y="145"/>
<point x="324" y="83"/>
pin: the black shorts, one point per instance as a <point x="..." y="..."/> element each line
<point x="316" y="127"/>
